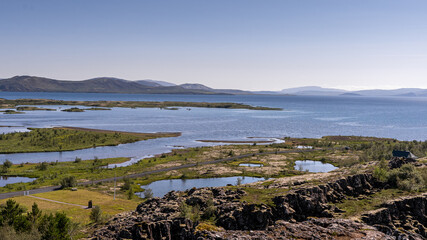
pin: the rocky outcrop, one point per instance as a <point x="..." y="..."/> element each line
<point x="403" y="218"/>
<point x="290" y="216"/>
<point x="322" y="228"/>
<point x="313" y="202"/>
<point x="247" y="217"/>
<point x="397" y="162"/>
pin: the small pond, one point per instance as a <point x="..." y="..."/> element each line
<point x="304" y="147"/>
<point x="251" y="165"/>
<point x="4" y="180"/>
<point x="160" y="188"/>
<point x="313" y="166"/>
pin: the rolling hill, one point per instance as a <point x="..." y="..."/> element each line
<point x="95" y="85"/>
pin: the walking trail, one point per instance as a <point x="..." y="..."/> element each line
<point x="50" y="200"/>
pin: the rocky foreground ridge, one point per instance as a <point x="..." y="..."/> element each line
<point x="301" y="213"/>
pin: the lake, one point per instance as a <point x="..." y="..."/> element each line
<point x="160" y="188"/>
<point x="313" y="166"/>
<point x="4" y="180"/>
<point x="303" y="116"/>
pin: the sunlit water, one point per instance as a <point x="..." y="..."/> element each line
<point x="250" y="165"/>
<point x="313" y="166"/>
<point x="160" y="188"/>
<point x="303" y="116"/>
<point x="10" y="180"/>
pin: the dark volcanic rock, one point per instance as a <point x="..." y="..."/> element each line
<point x="313" y="201"/>
<point x="321" y="228"/>
<point x="398" y="162"/>
<point x="290" y="217"/>
<point x="247" y="217"/>
<point x="403" y="218"/>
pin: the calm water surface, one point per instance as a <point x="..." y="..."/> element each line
<point x="10" y="180"/>
<point x="160" y="188"/>
<point x="313" y="166"/>
<point x="250" y="165"/>
<point x="303" y="116"/>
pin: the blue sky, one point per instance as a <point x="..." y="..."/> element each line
<point x="247" y="44"/>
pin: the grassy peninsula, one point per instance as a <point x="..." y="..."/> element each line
<point x="31" y="108"/>
<point x="6" y="103"/>
<point x="69" y="139"/>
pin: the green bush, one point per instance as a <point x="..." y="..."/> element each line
<point x="210" y="211"/>
<point x="42" y="166"/>
<point x="189" y="212"/>
<point x="126" y="184"/>
<point x="68" y="182"/>
<point x="407" y="178"/>
<point x="7" y="164"/>
<point x="381" y="174"/>
<point x="96" y="214"/>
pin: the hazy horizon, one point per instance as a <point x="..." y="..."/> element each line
<point x="241" y="44"/>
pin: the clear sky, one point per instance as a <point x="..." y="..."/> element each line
<point x="246" y="44"/>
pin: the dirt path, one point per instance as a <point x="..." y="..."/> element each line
<point x="50" y="200"/>
<point x="142" y="174"/>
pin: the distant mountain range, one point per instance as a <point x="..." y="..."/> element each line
<point x="148" y="86"/>
<point x="104" y="85"/>
<point x="319" y="91"/>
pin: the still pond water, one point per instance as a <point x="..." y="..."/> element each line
<point x="10" y="180"/>
<point x="160" y="188"/>
<point x="313" y="166"/>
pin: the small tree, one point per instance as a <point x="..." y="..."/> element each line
<point x="7" y="164"/>
<point x="239" y="181"/>
<point x="42" y="166"/>
<point x="130" y="193"/>
<point x="35" y="213"/>
<point x="77" y="160"/>
<point x="95" y="214"/>
<point x="148" y="193"/>
<point x="126" y="184"/>
<point x="10" y="212"/>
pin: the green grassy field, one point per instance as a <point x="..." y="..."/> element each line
<point x="77" y="214"/>
<point x="68" y="139"/>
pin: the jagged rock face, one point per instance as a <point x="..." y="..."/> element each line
<point x="397" y="162"/>
<point x="179" y="228"/>
<point x="247" y="217"/>
<point x="290" y="217"/>
<point x="312" y="202"/>
<point x="403" y="218"/>
<point x="321" y="228"/>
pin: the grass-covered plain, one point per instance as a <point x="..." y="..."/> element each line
<point x="77" y="214"/>
<point x="68" y="139"/>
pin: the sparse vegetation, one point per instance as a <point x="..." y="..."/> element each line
<point x="96" y="214"/>
<point x="148" y="193"/>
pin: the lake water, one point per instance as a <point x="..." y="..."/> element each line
<point x="10" y="180"/>
<point x="303" y="116"/>
<point x="313" y="166"/>
<point x="160" y="188"/>
<point x="250" y="165"/>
